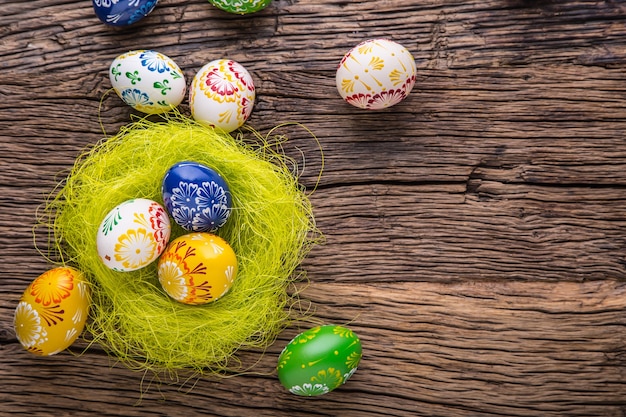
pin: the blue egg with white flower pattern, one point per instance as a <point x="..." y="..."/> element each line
<point x="196" y="196"/>
<point x="122" y="12"/>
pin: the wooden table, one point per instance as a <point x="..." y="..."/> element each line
<point x="475" y="232"/>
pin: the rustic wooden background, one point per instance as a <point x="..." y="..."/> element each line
<point x="475" y="233"/>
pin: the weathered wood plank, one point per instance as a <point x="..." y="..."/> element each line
<point x="508" y="349"/>
<point x="475" y="233"/>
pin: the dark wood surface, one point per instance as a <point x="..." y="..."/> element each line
<point x="475" y="233"/>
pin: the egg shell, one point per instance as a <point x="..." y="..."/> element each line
<point x="196" y="196"/>
<point x="133" y="234"/>
<point x="197" y="268"/>
<point x="376" y="74"/>
<point x="52" y="311"/>
<point x="122" y="12"/>
<point x="222" y="95"/>
<point x="240" y="6"/>
<point x="148" y="81"/>
<point x="319" y="360"/>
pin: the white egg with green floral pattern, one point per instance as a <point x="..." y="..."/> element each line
<point x="148" y="81"/>
<point x="133" y="234"/>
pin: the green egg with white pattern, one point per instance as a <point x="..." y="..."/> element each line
<point x="319" y="360"/>
<point x="241" y="6"/>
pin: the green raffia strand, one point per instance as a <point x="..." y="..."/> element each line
<point x="271" y="229"/>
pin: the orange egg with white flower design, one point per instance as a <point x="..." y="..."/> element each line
<point x="197" y="268"/>
<point x="133" y="234"/>
<point x="52" y="311"/>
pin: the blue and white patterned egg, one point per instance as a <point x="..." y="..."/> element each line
<point x="148" y="81"/>
<point x="196" y="196"/>
<point x="122" y="12"/>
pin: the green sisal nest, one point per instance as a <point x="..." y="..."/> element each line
<point x="271" y="229"/>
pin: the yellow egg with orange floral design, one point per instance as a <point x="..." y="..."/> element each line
<point x="52" y="311"/>
<point x="197" y="268"/>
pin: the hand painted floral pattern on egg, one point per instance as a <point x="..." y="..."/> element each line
<point x="52" y="311"/>
<point x="196" y="196"/>
<point x="376" y="74"/>
<point x="122" y="12"/>
<point x="197" y="268"/>
<point x="240" y="6"/>
<point x="148" y="81"/>
<point x="319" y="360"/>
<point x="133" y="234"/>
<point x="222" y="95"/>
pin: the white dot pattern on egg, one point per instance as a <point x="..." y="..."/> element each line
<point x="376" y="74"/>
<point x="148" y="81"/>
<point x="222" y="95"/>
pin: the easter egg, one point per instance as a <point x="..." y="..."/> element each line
<point x="376" y="74"/>
<point x="52" y="311"/>
<point x="197" y="268"/>
<point x="196" y="196"/>
<point x="147" y="81"/>
<point x="122" y="12"/>
<point x="222" y="95"/>
<point x="319" y="360"/>
<point x="240" y="6"/>
<point x="133" y="234"/>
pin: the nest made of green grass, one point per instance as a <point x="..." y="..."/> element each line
<point x="271" y="229"/>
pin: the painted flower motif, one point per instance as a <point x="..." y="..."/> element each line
<point x="241" y="74"/>
<point x="284" y="356"/>
<point x="349" y="374"/>
<point x="308" y="335"/>
<point x="160" y="223"/>
<point x="184" y="216"/>
<point x="359" y="100"/>
<point x="136" y="98"/>
<point x="111" y="221"/>
<point x="230" y="271"/>
<point x="246" y="108"/>
<point x="330" y="377"/>
<point x="106" y="3"/>
<point x="135" y="248"/>
<point x="28" y="328"/>
<point x="220" y="83"/>
<point x="211" y="218"/>
<point x="343" y="332"/>
<point x="210" y="194"/>
<point x="376" y="63"/>
<point x="172" y="278"/>
<point x="153" y="60"/>
<point x="184" y="194"/>
<point x="386" y="99"/>
<point x="353" y="360"/>
<point x="309" y="389"/>
<point x="347" y="85"/>
<point x="52" y="287"/>
<point x="143" y="11"/>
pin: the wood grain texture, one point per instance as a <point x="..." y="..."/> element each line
<point x="475" y="234"/>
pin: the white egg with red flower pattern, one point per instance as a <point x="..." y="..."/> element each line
<point x="376" y="74"/>
<point x="222" y="95"/>
<point x="133" y="234"/>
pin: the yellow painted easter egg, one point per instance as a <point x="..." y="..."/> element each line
<point x="197" y="268"/>
<point x="52" y="311"/>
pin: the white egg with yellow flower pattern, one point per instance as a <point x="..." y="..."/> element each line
<point x="133" y="234"/>
<point x="52" y="311"/>
<point x="376" y="74"/>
